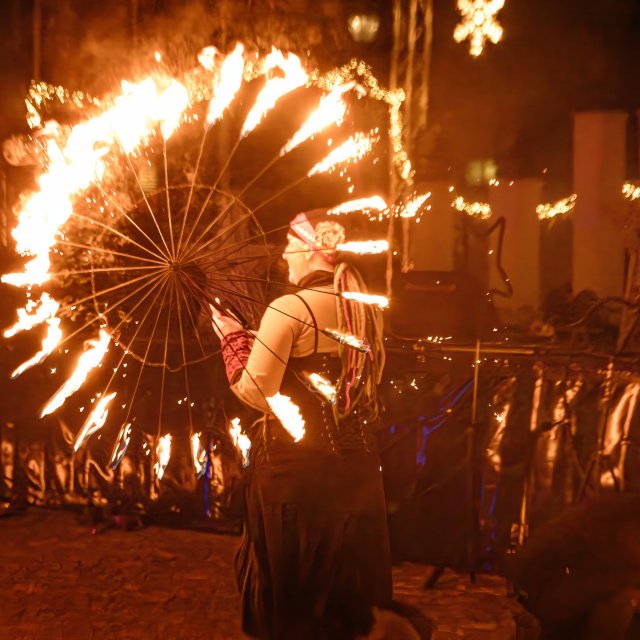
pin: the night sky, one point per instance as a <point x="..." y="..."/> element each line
<point x="513" y="104"/>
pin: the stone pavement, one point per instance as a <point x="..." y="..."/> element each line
<point x="60" y="581"/>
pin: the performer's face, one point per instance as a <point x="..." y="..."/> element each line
<point x="296" y="255"/>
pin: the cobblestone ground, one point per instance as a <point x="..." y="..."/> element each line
<point x="60" y="581"/>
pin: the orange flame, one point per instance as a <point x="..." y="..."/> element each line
<point x="121" y="445"/>
<point x="350" y="151"/>
<point x="228" y="85"/>
<point x="240" y="440"/>
<point x="171" y="104"/>
<point x="54" y="335"/>
<point x="198" y="454"/>
<point x="44" y="212"/>
<point x="163" y="455"/>
<point x="365" y="205"/>
<point x="348" y="339"/>
<point x="323" y="386"/>
<point x="275" y="88"/>
<point x="411" y="208"/>
<point x="380" y="301"/>
<point x="90" y="359"/>
<point x="34" y="313"/>
<point x="207" y="58"/>
<point x="331" y="110"/>
<point x="95" y="420"/>
<point x="364" y="247"/>
<point x="288" y="414"/>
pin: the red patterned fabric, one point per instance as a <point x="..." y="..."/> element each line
<point x="236" y="348"/>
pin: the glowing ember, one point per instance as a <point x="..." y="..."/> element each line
<point x="240" y="440"/>
<point x="275" y="88"/>
<point x="348" y="339"/>
<point x="323" y="386"/>
<point x="350" y="151"/>
<point x="558" y="208"/>
<point x="364" y="247"/>
<point x="288" y="414"/>
<point x="95" y="420"/>
<point x="331" y="110"/>
<point x="35" y="313"/>
<point x="198" y="454"/>
<point x="90" y="359"/>
<point x="364" y="205"/>
<point x="380" y="301"/>
<point x="411" y="208"/>
<point x="121" y="446"/>
<point x="163" y="455"/>
<point x="228" y="85"/>
<point x="54" y="335"/>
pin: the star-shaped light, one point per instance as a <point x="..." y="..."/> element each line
<point x="478" y="23"/>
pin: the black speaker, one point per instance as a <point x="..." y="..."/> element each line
<point x="440" y="303"/>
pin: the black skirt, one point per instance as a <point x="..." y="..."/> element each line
<point x="314" y="557"/>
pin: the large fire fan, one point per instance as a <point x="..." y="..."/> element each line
<point x="171" y="197"/>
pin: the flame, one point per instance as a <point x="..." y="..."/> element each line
<point x="323" y="386"/>
<point x="90" y="359"/>
<point x="73" y="168"/>
<point x="380" y="301"/>
<point x="228" y="84"/>
<point x="288" y="414"/>
<point x="374" y="203"/>
<point x="95" y="420"/>
<point x="331" y="110"/>
<point x="207" y="57"/>
<point x="364" y="247"/>
<point x="163" y="455"/>
<point x="240" y="440"/>
<point x="171" y="104"/>
<point x="350" y="151"/>
<point x="414" y="205"/>
<point x="121" y="446"/>
<point x="54" y="335"/>
<point x="275" y="88"/>
<point x="199" y="454"/>
<point x="348" y="339"/>
<point x="34" y="313"/>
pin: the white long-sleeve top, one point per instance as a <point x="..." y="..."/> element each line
<point x="287" y="329"/>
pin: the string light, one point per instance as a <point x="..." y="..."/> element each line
<point x="480" y="210"/>
<point x="478" y="23"/>
<point x="558" y="208"/>
<point x="393" y="99"/>
<point x="630" y="191"/>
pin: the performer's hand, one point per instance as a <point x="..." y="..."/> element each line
<point x="222" y="324"/>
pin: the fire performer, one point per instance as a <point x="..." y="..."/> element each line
<point x="314" y="558"/>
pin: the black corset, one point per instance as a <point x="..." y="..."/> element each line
<point x="323" y="431"/>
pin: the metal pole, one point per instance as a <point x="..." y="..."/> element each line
<point x="408" y="116"/>
<point x="393" y="178"/>
<point x="37" y="36"/>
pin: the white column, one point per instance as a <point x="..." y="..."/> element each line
<point x="599" y="170"/>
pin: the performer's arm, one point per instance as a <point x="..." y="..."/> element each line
<point x="255" y="367"/>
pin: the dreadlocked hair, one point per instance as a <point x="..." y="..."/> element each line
<point x="361" y="372"/>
